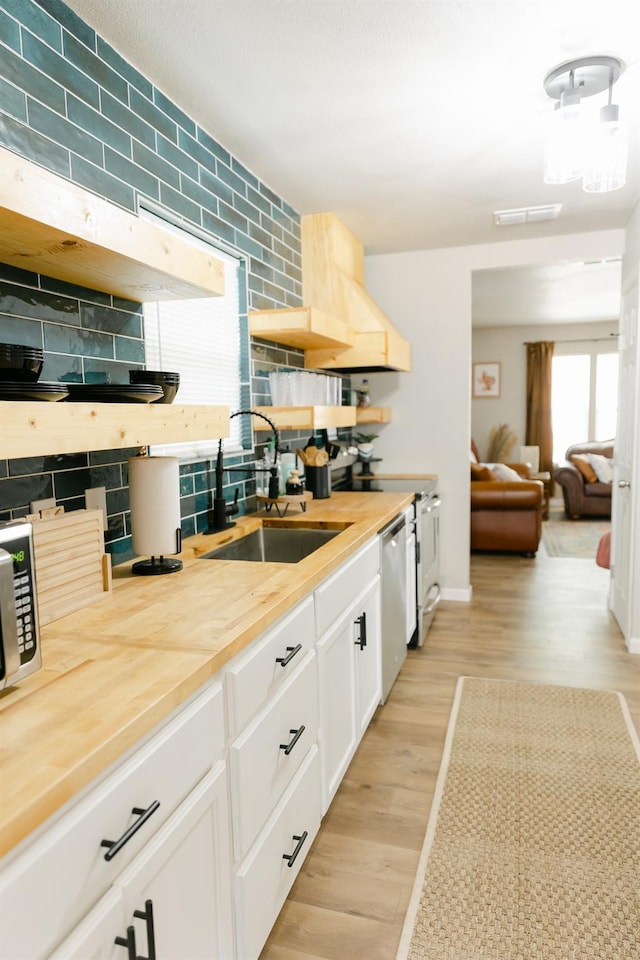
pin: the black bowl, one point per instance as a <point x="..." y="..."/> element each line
<point x="20" y="364"/>
<point x="161" y="378"/>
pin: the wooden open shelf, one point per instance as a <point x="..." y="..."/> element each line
<point x="55" y="227"/>
<point x="373" y="414"/>
<point x="303" y="327"/>
<point x="306" y="418"/>
<point x="38" y="428"/>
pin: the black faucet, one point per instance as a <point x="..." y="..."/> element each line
<point x="221" y="509"/>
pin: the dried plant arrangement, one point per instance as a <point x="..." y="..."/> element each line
<point x="501" y="443"/>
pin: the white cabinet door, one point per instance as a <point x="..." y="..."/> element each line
<point x="411" y="586"/>
<point x="367" y="655"/>
<point x="96" y="937"/>
<point x="336" y="675"/>
<point x="183" y="878"/>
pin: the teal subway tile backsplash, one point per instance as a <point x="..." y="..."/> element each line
<point x="102" y="183"/>
<point x="155" y="117"/>
<point x="69" y="20"/>
<point x="126" y="120"/>
<point x="13" y="101"/>
<point x="147" y="146"/>
<point x="38" y="304"/>
<point x="50" y="124"/>
<point x="99" y="126"/>
<point x="95" y="67"/>
<point x="53" y="64"/>
<point x="19" y="138"/>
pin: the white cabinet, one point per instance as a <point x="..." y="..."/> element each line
<point x="265" y="877"/>
<point x="174" y="899"/>
<point x="349" y="661"/>
<point x="367" y="656"/>
<point x="336" y="678"/>
<point x="411" y="573"/>
<point x="69" y="866"/>
<point x="264" y="758"/>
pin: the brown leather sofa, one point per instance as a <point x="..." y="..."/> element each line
<point x="506" y="515"/>
<point x="583" y="498"/>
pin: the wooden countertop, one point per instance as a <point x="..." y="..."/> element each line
<point x="113" y="671"/>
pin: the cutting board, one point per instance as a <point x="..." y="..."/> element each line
<point x="72" y="569"/>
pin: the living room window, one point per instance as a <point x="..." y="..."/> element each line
<point x="584" y="393"/>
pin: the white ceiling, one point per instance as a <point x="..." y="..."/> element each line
<point x="412" y="120"/>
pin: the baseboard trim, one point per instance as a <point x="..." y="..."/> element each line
<point x="633" y="645"/>
<point x="459" y="594"/>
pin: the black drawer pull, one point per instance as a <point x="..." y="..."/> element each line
<point x="288" y="747"/>
<point x="362" y="623"/>
<point x="290" y="857"/>
<point x="147" y="915"/>
<point x="115" y="846"/>
<point x="129" y="943"/>
<point x="291" y="652"/>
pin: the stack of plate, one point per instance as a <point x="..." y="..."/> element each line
<point x="20" y="364"/>
<point x="113" y="393"/>
<point x="162" y="378"/>
<point x="33" y="391"/>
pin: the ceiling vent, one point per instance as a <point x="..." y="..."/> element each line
<point x="508" y="218"/>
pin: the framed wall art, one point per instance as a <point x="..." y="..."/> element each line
<point x="486" y="380"/>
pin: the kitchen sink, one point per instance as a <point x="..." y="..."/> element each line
<point x="276" y="544"/>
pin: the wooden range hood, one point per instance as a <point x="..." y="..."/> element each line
<point x="342" y="329"/>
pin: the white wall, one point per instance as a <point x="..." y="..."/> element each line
<point x="427" y="296"/>
<point x="506" y="345"/>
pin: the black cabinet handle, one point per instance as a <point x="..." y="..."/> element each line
<point x="129" y="943"/>
<point x="115" y="846"/>
<point x="362" y="623"/>
<point x="147" y="915"/>
<point x="291" y="857"/>
<point x="291" y="652"/>
<point x="288" y="747"/>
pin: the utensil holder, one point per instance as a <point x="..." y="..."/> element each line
<point x="318" y="481"/>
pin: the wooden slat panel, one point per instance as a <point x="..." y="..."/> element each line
<point x="68" y="553"/>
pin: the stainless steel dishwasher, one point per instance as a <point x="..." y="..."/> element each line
<point x="393" y="539"/>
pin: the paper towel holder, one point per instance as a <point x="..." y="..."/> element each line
<point x="154" y="501"/>
<point x="157" y="565"/>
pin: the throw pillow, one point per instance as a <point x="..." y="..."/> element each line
<point x="602" y="466"/>
<point x="481" y="472"/>
<point x="581" y="462"/>
<point x="503" y="472"/>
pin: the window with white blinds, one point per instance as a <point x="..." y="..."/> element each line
<point x="200" y="340"/>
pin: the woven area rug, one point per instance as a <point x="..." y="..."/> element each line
<point x="573" y="538"/>
<point x="533" y="843"/>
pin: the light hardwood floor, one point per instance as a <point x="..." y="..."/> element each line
<point x="542" y="620"/>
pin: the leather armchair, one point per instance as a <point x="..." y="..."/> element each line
<point x="506" y="515"/>
<point x="580" y="497"/>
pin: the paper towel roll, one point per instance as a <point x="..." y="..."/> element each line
<point x="154" y="491"/>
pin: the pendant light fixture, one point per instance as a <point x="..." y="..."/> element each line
<point x="576" y="148"/>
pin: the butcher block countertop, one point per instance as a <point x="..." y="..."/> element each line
<point x="114" y="670"/>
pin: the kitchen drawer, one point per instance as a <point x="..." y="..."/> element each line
<point x="255" y="676"/>
<point x="56" y="879"/>
<point x="265" y="878"/>
<point x="260" y="769"/>
<point x="336" y="593"/>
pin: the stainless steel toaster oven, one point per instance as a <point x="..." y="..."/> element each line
<point x="19" y="636"/>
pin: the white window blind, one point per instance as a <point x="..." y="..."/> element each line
<point x="200" y="340"/>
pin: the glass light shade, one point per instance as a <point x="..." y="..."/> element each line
<point x="606" y="168"/>
<point x="565" y="143"/>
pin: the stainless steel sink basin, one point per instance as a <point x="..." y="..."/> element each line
<point x="274" y="544"/>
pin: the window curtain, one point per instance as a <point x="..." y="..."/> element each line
<point x="539" y="430"/>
